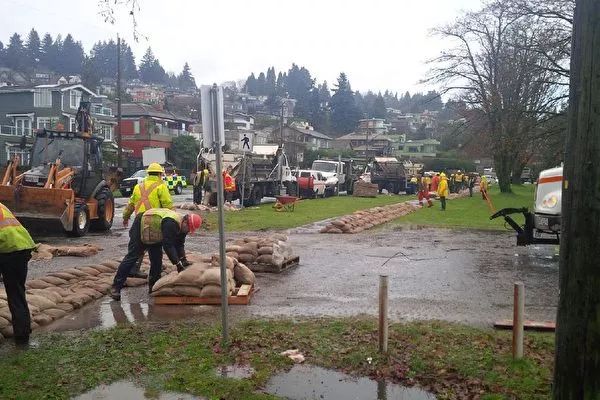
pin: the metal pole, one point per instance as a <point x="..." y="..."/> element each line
<point x="383" y="313"/>
<point x="119" y="147"/>
<point x="518" y="312"/>
<point x="220" y="199"/>
<point x="281" y="187"/>
<point x="243" y="180"/>
<point x="339" y="173"/>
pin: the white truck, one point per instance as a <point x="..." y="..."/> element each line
<point x="543" y="225"/>
<point x="336" y="173"/>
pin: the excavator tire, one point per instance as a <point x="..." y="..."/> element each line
<point x="106" y="210"/>
<point x="81" y="221"/>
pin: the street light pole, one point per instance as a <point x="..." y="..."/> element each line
<point x="119" y="147"/>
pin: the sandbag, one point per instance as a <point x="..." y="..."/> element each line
<point x="7" y="332"/>
<point x="76" y="272"/>
<point x="233" y="255"/>
<point x="3" y="303"/>
<point x="77" y="300"/>
<point x="4" y="323"/>
<point x="92" y="293"/>
<point x="62" y="275"/>
<point x="61" y="291"/>
<point x="212" y="276"/>
<point x="37" y="284"/>
<point x="42" y="319"/>
<point x="191" y="276"/>
<point x="166" y="280"/>
<point x="279" y="237"/>
<point x="5" y="313"/>
<point x="101" y="268"/>
<point x="54" y="280"/>
<point x="52" y="296"/>
<point x="55" y="313"/>
<point x="40" y="302"/>
<point x="164" y="291"/>
<point x="232" y="248"/>
<point x="334" y="230"/>
<point x="66" y="307"/>
<point x="132" y="282"/>
<point x="89" y="270"/>
<point x="111" y="264"/>
<point x="265" y="250"/>
<point x="2" y="294"/>
<point x="194" y="291"/>
<point x="243" y="275"/>
<point x="229" y="262"/>
<point x="251" y="248"/>
<point x="265" y="259"/>
<point x="247" y="258"/>
<point x="211" y="291"/>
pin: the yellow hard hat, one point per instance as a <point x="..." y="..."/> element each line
<point x="155" y="167"/>
<point x="443" y="175"/>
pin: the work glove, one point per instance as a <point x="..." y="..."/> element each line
<point x="125" y="223"/>
<point x="185" y="262"/>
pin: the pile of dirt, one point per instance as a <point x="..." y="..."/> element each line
<point x="203" y="278"/>
<point x="366" y="219"/>
<point x="47" y="252"/>
<point x="53" y="296"/>
<point x="274" y="250"/>
<point x="365" y="189"/>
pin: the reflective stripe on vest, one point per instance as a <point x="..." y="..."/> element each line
<point x="13" y="237"/>
<point x="145" y="195"/>
<point x="151" y="224"/>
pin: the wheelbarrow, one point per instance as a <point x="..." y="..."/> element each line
<point x="285" y="203"/>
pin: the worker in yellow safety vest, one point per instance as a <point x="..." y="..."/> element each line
<point x="152" y="192"/>
<point x="483" y="186"/>
<point x="156" y="230"/>
<point x="443" y="190"/>
<point x="15" y="252"/>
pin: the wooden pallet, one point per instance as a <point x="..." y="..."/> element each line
<point x="242" y="296"/>
<point x="287" y="264"/>
<point x="547" y="326"/>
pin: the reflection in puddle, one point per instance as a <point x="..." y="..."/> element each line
<point x="127" y="390"/>
<point x="234" y="371"/>
<point x="310" y="382"/>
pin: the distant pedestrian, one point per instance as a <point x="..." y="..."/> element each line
<point x="471" y="183"/>
<point x="443" y="190"/>
<point x="423" y="192"/>
<point x="413" y="183"/>
<point x="483" y="187"/>
<point x="199" y="182"/>
<point x="452" y="183"/>
<point x="435" y="181"/>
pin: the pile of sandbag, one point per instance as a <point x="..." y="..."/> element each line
<point x="202" y="207"/>
<point x="47" y="252"/>
<point x="366" y="219"/>
<point x="203" y="278"/>
<point x="365" y="189"/>
<point x="271" y="250"/>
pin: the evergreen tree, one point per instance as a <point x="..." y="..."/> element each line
<point x="324" y="95"/>
<point x="15" y="53"/>
<point x="128" y="67"/>
<point x="150" y="69"/>
<point x="46" y="51"/>
<point x="250" y="87"/>
<point x="261" y="84"/>
<point x="281" y="84"/>
<point x="299" y="85"/>
<point x="379" y="109"/>
<point x="33" y="49"/>
<point x="186" y="79"/>
<point x="2" y="52"/>
<point x="344" y="113"/>
<point x="71" y="56"/>
<point x="271" y="84"/>
<point x="55" y="54"/>
<point x="89" y="75"/>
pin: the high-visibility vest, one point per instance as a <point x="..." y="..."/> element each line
<point x="229" y="182"/>
<point x="151" y="232"/>
<point x="13" y="237"/>
<point x="145" y="191"/>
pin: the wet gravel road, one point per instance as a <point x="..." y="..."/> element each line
<point x="455" y="275"/>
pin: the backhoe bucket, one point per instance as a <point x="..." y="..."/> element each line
<point x="33" y="205"/>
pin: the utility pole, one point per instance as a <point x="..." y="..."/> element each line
<point x="577" y="360"/>
<point x="281" y="187"/>
<point x="118" y="136"/>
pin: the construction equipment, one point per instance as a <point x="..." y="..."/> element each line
<point x="339" y="174"/>
<point x="388" y="173"/>
<point x="65" y="183"/>
<point x="542" y="226"/>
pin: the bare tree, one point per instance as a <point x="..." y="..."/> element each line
<point x="497" y="68"/>
<point x="110" y="8"/>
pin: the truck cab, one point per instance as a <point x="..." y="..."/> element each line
<point x="548" y="193"/>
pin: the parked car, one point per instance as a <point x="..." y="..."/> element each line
<point x="174" y="182"/>
<point x="311" y="183"/>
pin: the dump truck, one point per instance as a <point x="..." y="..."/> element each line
<point x="542" y="226"/>
<point x="388" y="173"/>
<point x="64" y="185"/>
<point x="339" y="174"/>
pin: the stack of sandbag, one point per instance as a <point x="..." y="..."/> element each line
<point x="365" y="189"/>
<point x="203" y="278"/>
<point x="367" y="219"/>
<point x="47" y="252"/>
<point x="53" y="296"/>
<point x="272" y="250"/>
<point x="202" y="207"/>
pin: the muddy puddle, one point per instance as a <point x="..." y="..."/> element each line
<point x="304" y="382"/>
<point x="128" y="390"/>
<point x="234" y="371"/>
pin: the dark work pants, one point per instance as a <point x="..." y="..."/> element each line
<point x="197" y="194"/>
<point x="470" y="191"/>
<point x="135" y="250"/>
<point x="443" y="201"/>
<point x="13" y="268"/>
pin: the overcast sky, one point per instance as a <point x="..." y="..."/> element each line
<point x="380" y="44"/>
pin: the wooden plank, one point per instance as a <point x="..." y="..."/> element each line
<point x="244" y="290"/>
<point x="287" y="264"/>
<point x="545" y="326"/>
<point x="190" y="300"/>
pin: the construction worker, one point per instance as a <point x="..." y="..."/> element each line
<point x="483" y="187"/>
<point x="155" y="230"/>
<point x="435" y="181"/>
<point x="199" y="182"/>
<point x="459" y="178"/>
<point x="443" y="190"/>
<point x="152" y="192"/>
<point x="471" y="184"/>
<point x="15" y="251"/>
<point x="414" y="182"/>
<point x="229" y="184"/>
<point x="423" y="189"/>
<point x="452" y="183"/>
<point x="427" y="178"/>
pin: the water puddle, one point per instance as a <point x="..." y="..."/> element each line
<point x="310" y="382"/>
<point x="235" y="371"/>
<point x="128" y="390"/>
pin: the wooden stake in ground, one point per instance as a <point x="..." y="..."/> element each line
<point x="383" y="313"/>
<point x="518" y="317"/>
<point x="577" y="369"/>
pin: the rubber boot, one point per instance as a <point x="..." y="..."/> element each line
<point x="115" y="294"/>
<point x="151" y="283"/>
<point x="135" y="271"/>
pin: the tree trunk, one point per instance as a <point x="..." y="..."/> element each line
<point x="517" y="170"/>
<point x="503" y="165"/>
<point x="577" y="362"/>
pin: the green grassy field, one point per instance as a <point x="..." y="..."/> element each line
<point x="265" y="217"/>
<point x="473" y="212"/>
<point x="453" y="361"/>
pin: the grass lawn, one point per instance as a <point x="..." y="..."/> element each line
<point x="265" y="217"/>
<point x="453" y="361"/>
<point x="474" y="212"/>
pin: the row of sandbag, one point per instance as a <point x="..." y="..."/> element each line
<point x="367" y="219"/>
<point x="272" y="249"/>
<point x="47" y="252"/>
<point x="53" y="296"/>
<point x="203" y="207"/>
<point x="203" y="278"/>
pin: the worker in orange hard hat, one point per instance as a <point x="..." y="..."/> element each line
<point x="156" y="230"/>
<point x="229" y="184"/>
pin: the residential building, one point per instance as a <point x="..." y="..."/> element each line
<point x="146" y="94"/>
<point x="416" y="149"/>
<point x="144" y="126"/>
<point x="25" y="109"/>
<point x="239" y="121"/>
<point x="366" y="144"/>
<point x="297" y="140"/>
<point x="372" y="125"/>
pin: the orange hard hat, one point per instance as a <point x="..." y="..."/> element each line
<point x="194" y="222"/>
